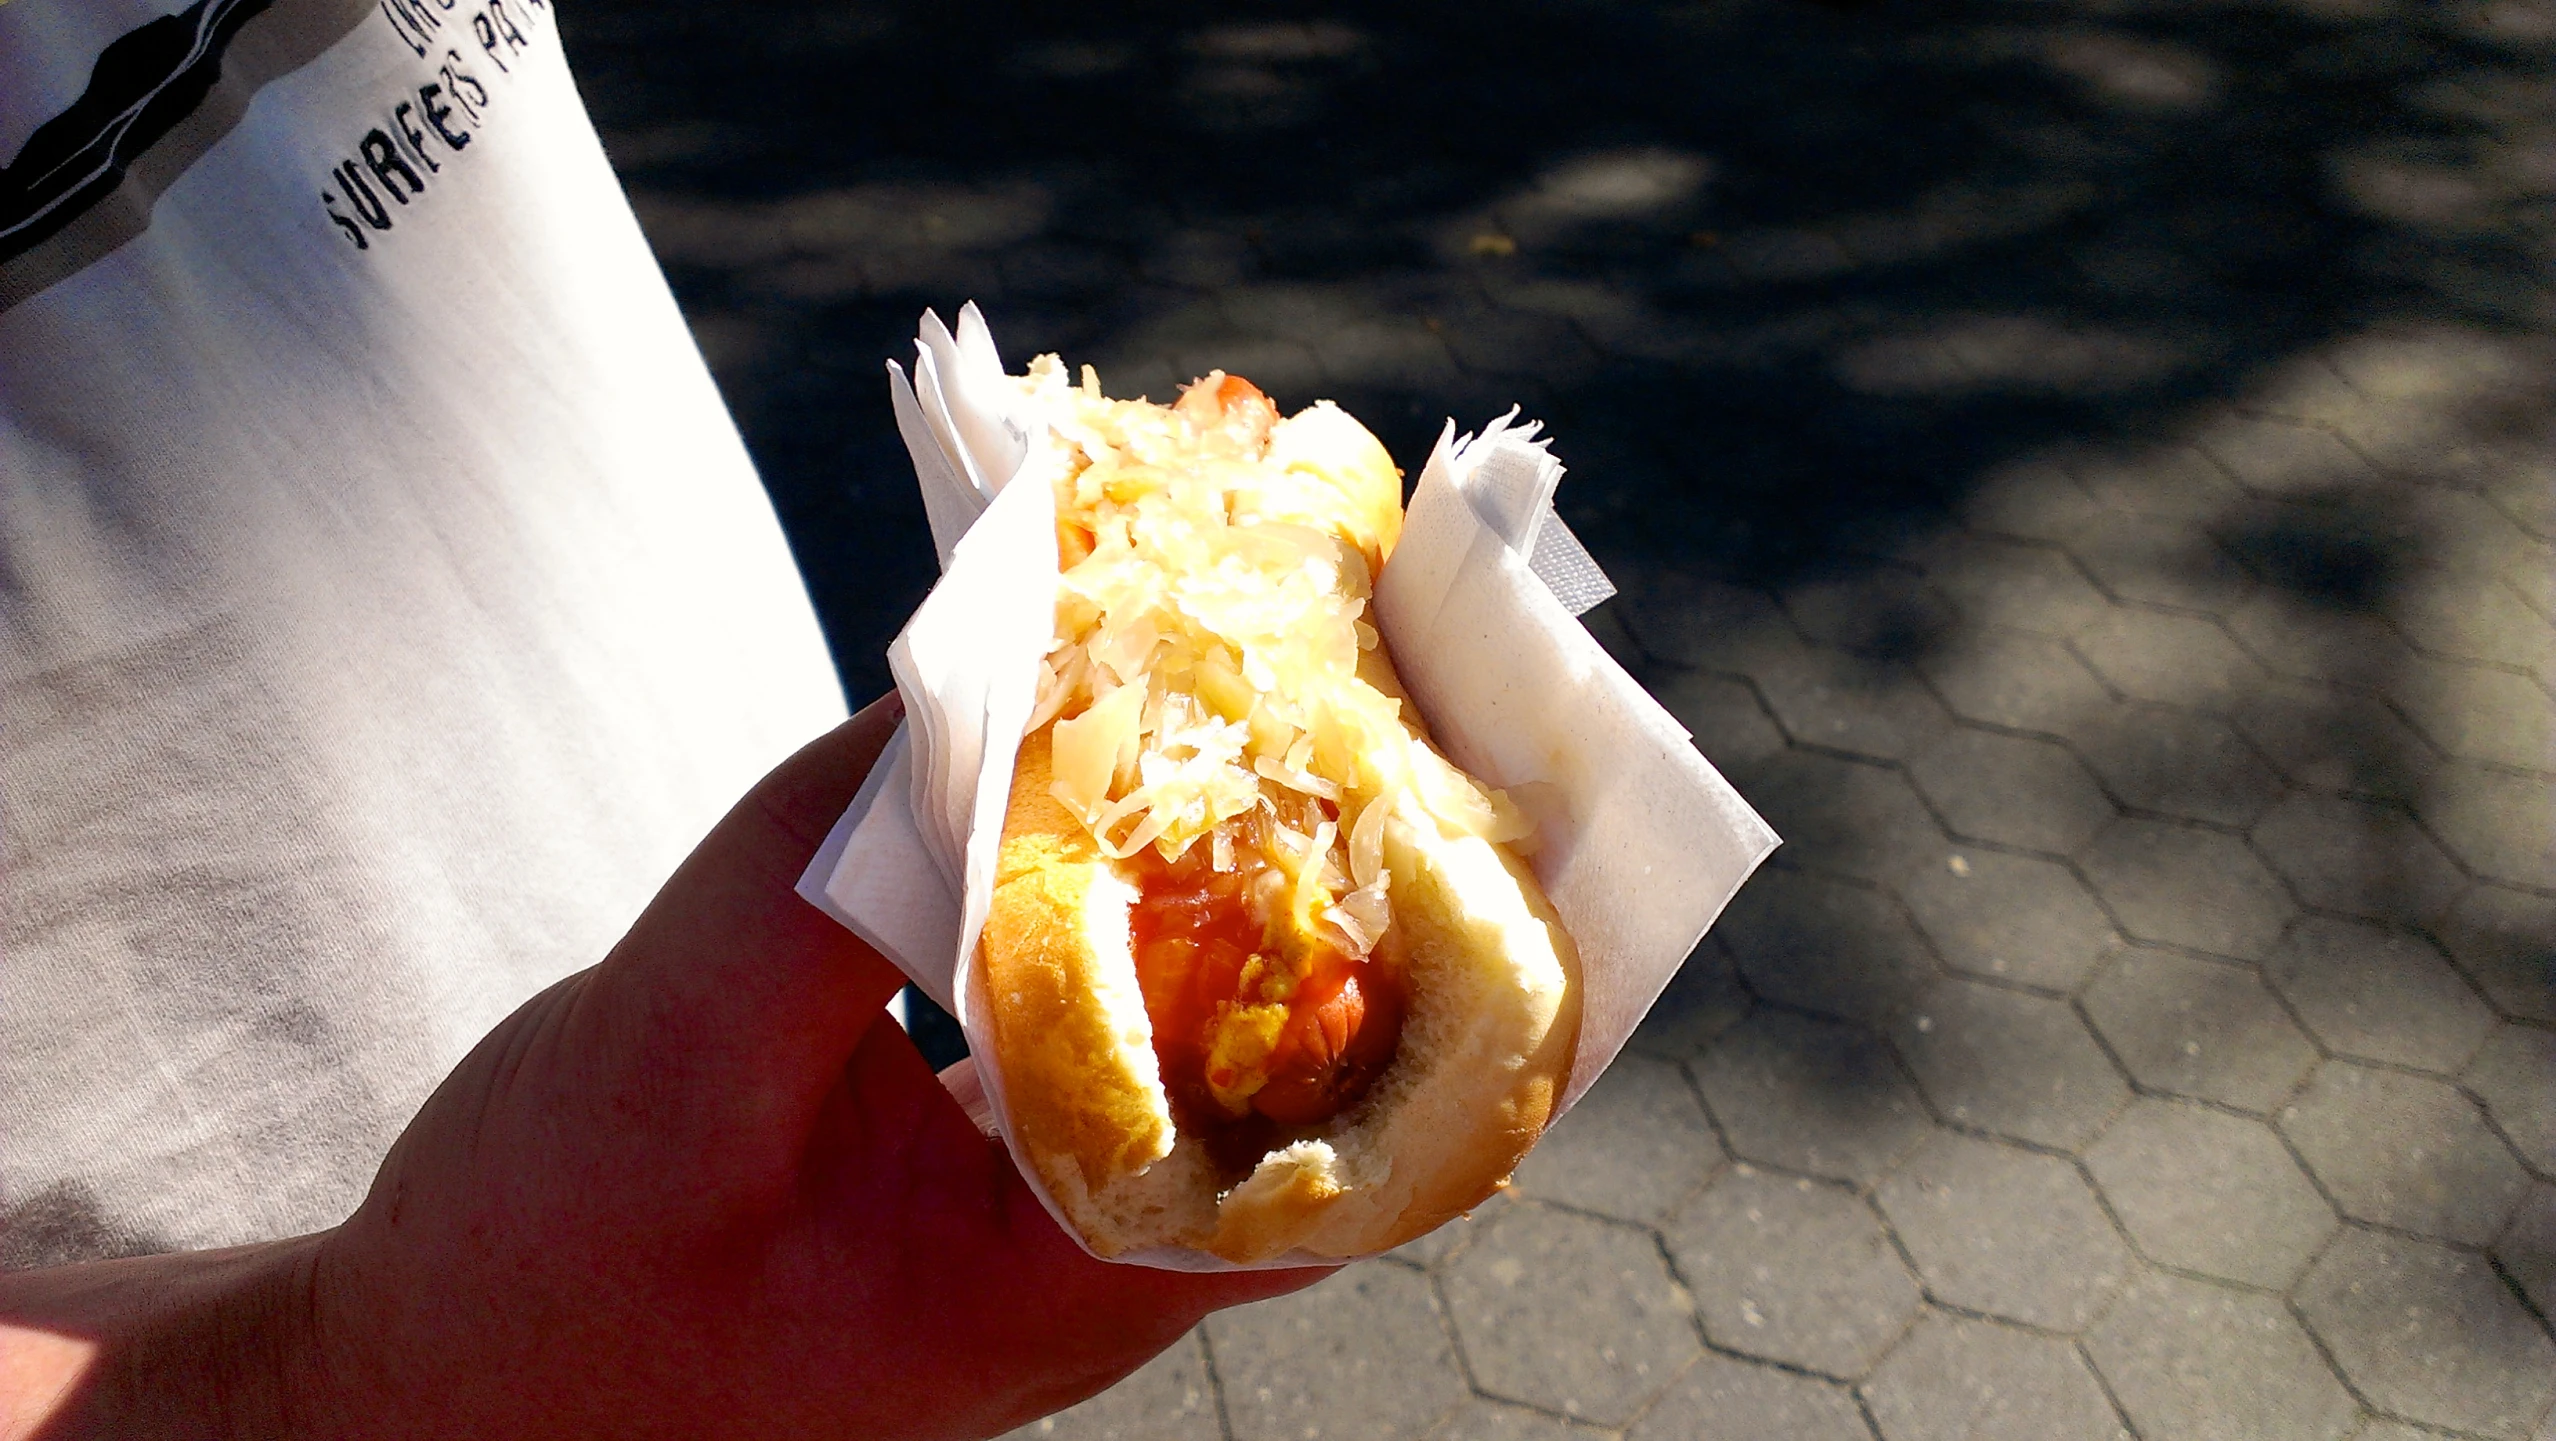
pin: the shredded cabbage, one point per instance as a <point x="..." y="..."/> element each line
<point x="1204" y="681"/>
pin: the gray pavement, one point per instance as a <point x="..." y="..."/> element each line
<point x="2086" y="470"/>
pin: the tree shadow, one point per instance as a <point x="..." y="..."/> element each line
<point x="1786" y="280"/>
<point x="2239" y="310"/>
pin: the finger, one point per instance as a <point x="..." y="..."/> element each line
<point x="980" y="1258"/>
<point x="898" y="1140"/>
<point x="732" y="992"/>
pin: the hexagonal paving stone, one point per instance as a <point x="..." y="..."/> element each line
<point x="2527" y="1248"/>
<point x="2295" y="636"/>
<point x="1721" y="1396"/>
<point x="2335" y="740"/>
<point x="2011" y="1064"/>
<point x="1847" y="703"/>
<point x="1482" y="1419"/>
<point x="1729" y="725"/>
<point x="1605" y="624"/>
<point x="1811" y="1096"/>
<point x="1703" y="1000"/>
<point x="1793" y="1270"/>
<point x="2188" y="1359"/>
<point x="2404" y="1151"/>
<point x="2478" y="713"/>
<point x="2007" y="678"/>
<point x="1874" y="609"/>
<point x="2169" y="480"/>
<point x="1701" y="621"/>
<point x="2187" y="887"/>
<point x="2379" y="1428"/>
<point x="2010" y="789"/>
<point x="2034" y="497"/>
<point x="1842" y="816"/>
<point x="2199" y="1028"/>
<point x="2534" y="581"/>
<point x="2275" y="457"/>
<point x="2309" y="391"/>
<point x="2011" y="917"/>
<point x="2005" y="1231"/>
<point x="2516" y="1074"/>
<point x="1775" y="255"/>
<point x="1039" y="270"/>
<point x="1956" y="1379"/>
<point x="2429" y="1333"/>
<point x="2506" y="942"/>
<point x="1824" y="945"/>
<point x="2358" y="857"/>
<point x="2519" y="486"/>
<point x="1199" y="259"/>
<point x="2171" y="659"/>
<point x="2416" y="364"/>
<point x="2015" y="584"/>
<point x="1361" y="1353"/>
<point x="2210" y="1192"/>
<point x="1427" y="1251"/>
<point x="1513" y="343"/>
<point x="1570" y="1313"/>
<point x="2467" y="531"/>
<point x="2160" y="560"/>
<point x="1294" y="311"/>
<point x="2156" y="758"/>
<point x="2469" y="617"/>
<point x="2502" y="825"/>
<point x="1632" y="1147"/>
<point x="1167" y="1399"/>
<point x="2378" y="994"/>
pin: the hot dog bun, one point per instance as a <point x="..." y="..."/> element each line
<point x="1221" y="1138"/>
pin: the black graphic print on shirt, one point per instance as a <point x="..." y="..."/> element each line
<point x="463" y="49"/>
<point x="143" y="84"/>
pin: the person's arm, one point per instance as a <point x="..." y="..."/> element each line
<point x="198" y="1344"/>
<point x="706" y="1188"/>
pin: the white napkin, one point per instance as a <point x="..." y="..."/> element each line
<point x="1640" y="842"/>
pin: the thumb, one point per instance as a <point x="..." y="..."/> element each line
<point x="741" y="1000"/>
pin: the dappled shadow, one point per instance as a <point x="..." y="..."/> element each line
<point x="2333" y="557"/>
<point x="2083" y="468"/>
<point x="1787" y="280"/>
<point x="64" y="1223"/>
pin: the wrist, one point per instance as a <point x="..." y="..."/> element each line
<point x="208" y="1343"/>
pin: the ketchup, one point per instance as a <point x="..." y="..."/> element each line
<point x="1195" y="943"/>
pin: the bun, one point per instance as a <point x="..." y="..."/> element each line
<point x="1264" y="977"/>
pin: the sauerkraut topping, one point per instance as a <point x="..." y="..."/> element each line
<point x="1210" y="682"/>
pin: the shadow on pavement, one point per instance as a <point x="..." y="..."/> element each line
<point x="2084" y="469"/>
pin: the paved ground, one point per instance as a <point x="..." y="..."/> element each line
<point x="2085" y="469"/>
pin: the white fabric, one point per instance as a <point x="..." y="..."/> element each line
<point x="378" y="628"/>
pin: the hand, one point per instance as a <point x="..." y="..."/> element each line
<point x="708" y="1188"/>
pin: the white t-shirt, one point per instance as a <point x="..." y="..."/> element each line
<point x="386" y="600"/>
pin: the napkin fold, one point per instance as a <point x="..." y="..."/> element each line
<point x="1640" y="842"/>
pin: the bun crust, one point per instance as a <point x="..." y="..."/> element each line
<point x="1459" y="946"/>
<point x="1485" y="1051"/>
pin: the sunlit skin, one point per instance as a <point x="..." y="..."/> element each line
<point x="703" y="1189"/>
<point x="38" y="1368"/>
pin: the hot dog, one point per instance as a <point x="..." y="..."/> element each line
<point x="1266" y="973"/>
